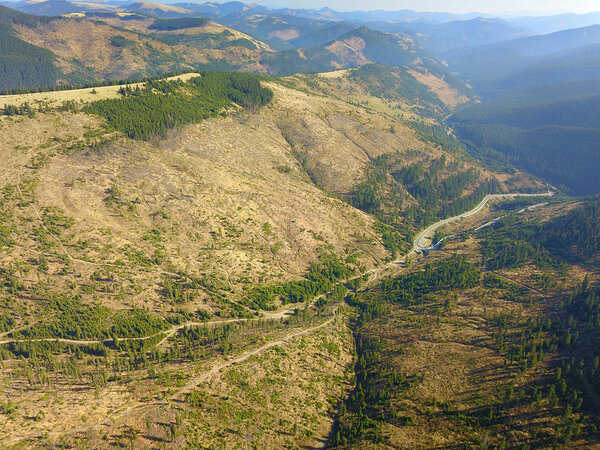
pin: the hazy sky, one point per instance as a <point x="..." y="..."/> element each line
<point x="456" y="6"/>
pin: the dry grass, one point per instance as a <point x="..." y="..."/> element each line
<point x="447" y="94"/>
<point x="337" y="140"/>
<point x="208" y="189"/>
<point x="88" y="46"/>
<point x="57" y="98"/>
<point x="285" y="395"/>
<point x="335" y="74"/>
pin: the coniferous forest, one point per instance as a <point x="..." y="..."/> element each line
<point x="162" y="105"/>
<point x="23" y="64"/>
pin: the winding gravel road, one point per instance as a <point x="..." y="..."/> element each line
<point x="426" y="232"/>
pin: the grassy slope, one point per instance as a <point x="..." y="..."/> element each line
<point x="223" y="202"/>
<point x="214" y="209"/>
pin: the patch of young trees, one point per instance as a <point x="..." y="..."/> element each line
<point x="577" y="234"/>
<point x="71" y="319"/>
<point x="321" y="278"/>
<point x="512" y="242"/>
<point x="453" y="273"/>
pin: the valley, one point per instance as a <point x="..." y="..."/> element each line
<point x="481" y="334"/>
<point x="425" y="234"/>
<point x="153" y="277"/>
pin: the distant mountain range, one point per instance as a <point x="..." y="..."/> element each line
<point x="541" y="105"/>
<point x="287" y="28"/>
<point x="483" y="66"/>
<point x="559" y="22"/>
<point x="356" y="48"/>
<point x="141" y="42"/>
<point x="529" y="85"/>
<point x="532" y="25"/>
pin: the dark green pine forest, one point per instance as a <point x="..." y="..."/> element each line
<point x="161" y="105"/>
<point x="536" y="112"/>
<point x="23" y="64"/>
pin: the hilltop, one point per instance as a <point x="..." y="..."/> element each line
<point x="356" y="48"/>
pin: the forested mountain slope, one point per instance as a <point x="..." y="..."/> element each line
<point x="565" y="156"/>
<point x="23" y="64"/>
<point x="539" y="109"/>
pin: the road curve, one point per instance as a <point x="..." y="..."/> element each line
<point x="418" y="247"/>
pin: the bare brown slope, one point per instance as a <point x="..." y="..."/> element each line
<point x="211" y="34"/>
<point x="227" y="197"/>
<point x="100" y="49"/>
<point x="92" y="49"/>
<point x="335" y="140"/>
<point x="233" y="200"/>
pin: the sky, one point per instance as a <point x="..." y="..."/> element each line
<point x="455" y="6"/>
